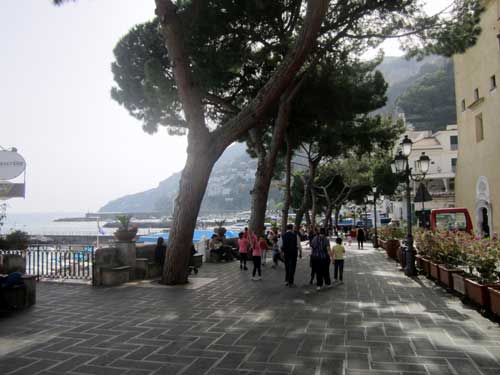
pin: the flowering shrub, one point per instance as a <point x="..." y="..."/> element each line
<point x="450" y="248"/>
<point x="484" y="255"/>
<point x="425" y="241"/>
<point x="391" y="233"/>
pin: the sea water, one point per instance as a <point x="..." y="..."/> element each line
<point x="42" y="223"/>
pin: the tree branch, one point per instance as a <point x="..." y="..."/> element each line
<point x="272" y="90"/>
<point x="189" y="92"/>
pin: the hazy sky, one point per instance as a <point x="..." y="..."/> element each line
<point x="82" y="149"/>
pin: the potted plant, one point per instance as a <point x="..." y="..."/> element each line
<point x="391" y="235"/>
<point x="125" y="231"/>
<point x="483" y="256"/>
<point x="425" y="241"/>
<point x="450" y="255"/>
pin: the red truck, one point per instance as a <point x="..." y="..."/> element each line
<point x="451" y="219"/>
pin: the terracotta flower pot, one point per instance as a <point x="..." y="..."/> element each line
<point x="426" y="267"/>
<point x="478" y="292"/>
<point x="434" y="270"/>
<point x="392" y="247"/>
<point x="459" y="283"/>
<point x="494" y="292"/>
<point x="125" y="234"/>
<point x="446" y="275"/>
<point x="382" y="243"/>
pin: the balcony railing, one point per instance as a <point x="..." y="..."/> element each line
<point x="69" y="262"/>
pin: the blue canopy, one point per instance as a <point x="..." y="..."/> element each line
<point x="197" y="236"/>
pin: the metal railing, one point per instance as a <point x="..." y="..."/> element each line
<point x="58" y="262"/>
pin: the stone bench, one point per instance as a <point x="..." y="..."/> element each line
<point x="21" y="296"/>
<point x="147" y="268"/>
<point x="113" y="276"/>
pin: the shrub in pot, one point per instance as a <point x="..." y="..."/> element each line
<point x="425" y="242"/>
<point x="125" y="231"/>
<point x="450" y="255"/>
<point x="483" y="256"/>
<point x="391" y="235"/>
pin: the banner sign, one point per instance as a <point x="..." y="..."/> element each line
<point x="11" y="165"/>
<point x="11" y="190"/>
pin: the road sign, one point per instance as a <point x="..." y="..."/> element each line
<point x="12" y="165"/>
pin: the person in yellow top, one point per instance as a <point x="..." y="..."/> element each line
<point x="338" y="252"/>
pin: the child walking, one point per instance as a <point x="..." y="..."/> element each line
<point x="243" y="249"/>
<point x="256" y="256"/>
<point x="338" y="252"/>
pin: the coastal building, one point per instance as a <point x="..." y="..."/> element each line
<point x="477" y="72"/>
<point x="442" y="149"/>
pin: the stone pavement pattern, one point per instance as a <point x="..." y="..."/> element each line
<point x="378" y="322"/>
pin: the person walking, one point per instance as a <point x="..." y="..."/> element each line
<point x="290" y="251"/>
<point x="263" y="249"/>
<point x="276" y="251"/>
<point x="256" y="256"/>
<point x="243" y="250"/>
<point x="320" y="259"/>
<point x="338" y="253"/>
<point x="360" y="236"/>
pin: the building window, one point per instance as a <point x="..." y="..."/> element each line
<point x="493" y="82"/>
<point x="454" y="142"/>
<point x="454" y="165"/>
<point x="463" y="105"/>
<point x="476" y="94"/>
<point x="479" y="128"/>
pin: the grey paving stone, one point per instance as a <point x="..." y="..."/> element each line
<point x="378" y="320"/>
<point x="40" y="365"/>
<point x="97" y="370"/>
<point x="9" y="364"/>
<point x="70" y="364"/>
<point x="464" y="367"/>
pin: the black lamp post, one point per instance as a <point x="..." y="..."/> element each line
<point x="373" y="198"/>
<point x="401" y="166"/>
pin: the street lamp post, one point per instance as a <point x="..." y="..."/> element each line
<point x="373" y="198"/>
<point x="401" y="166"/>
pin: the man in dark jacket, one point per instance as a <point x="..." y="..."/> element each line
<point x="290" y="250"/>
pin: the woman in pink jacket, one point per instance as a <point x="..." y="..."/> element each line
<point x="256" y="255"/>
<point x="243" y="249"/>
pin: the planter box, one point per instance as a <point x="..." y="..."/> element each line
<point x="426" y="266"/>
<point x="392" y="247"/>
<point x="418" y="259"/>
<point x="434" y="270"/>
<point x="494" y="292"/>
<point x="478" y="292"/>
<point x="381" y="243"/>
<point x="459" y="283"/>
<point x="446" y="275"/>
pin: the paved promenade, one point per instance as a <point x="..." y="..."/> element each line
<point x="378" y="322"/>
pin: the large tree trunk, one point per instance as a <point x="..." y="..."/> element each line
<point x="260" y="193"/>
<point x="303" y="207"/>
<point x="308" y="217"/>
<point x="287" y="197"/>
<point x="337" y="214"/>
<point x="314" y="206"/>
<point x="192" y="188"/>
<point x="328" y="216"/>
<point x="267" y="160"/>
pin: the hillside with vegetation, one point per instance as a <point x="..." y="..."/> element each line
<point x="424" y="91"/>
